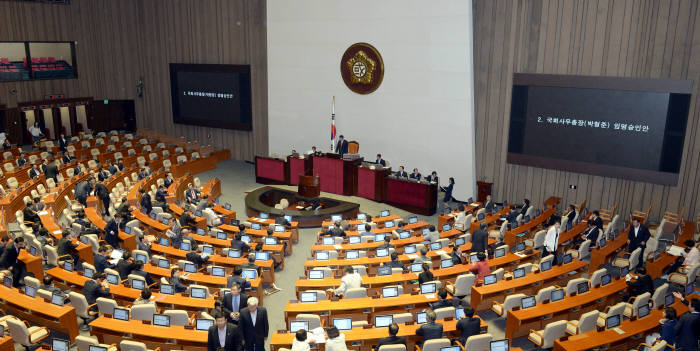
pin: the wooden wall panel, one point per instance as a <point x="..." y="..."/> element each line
<point x="119" y="42"/>
<point x="625" y="38"/>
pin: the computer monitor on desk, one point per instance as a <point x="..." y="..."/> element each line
<point x="295" y="326"/>
<point x="343" y="323"/>
<point x="557" y="295"/>
<point x="203" y="324"/>
<point x="612" y="321"/>
<point x="59" y="345"/>
<point x="499" y="345"/>
<point x="383" y="321"/>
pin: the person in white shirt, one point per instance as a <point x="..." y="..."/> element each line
<point x="693" y="256"/>
<point x="312" y="151"/>
<point x="3" y="136"/>
<point x="432" y="235"/>
<point x="350" y="280"/>
<point x="551" y="239"/>
<point x="460" y="218"/>
<point x="335" y="340"/>
<point x="35" y="131"/>
<point x="301" y="341"/>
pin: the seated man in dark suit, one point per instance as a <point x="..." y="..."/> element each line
<point x="392" y="339"/>
<point x="415" y="175"/>
<point x="430" y="330"/>
<point x="337" y="230"/>
<point x="387" y="243"/>
<point x="168" y="179"/>
<point x="468" y="325"/>
<point x="101" y="259"/>
<point x="196" y="257"/>
<point x="21" y="161"/>
<point x="138" y="270"/>
<point x="251" y="264"/>
<point x="401" y="172"/>
<point x="234" y="302"/>
<point x="66" y="247"/>
<point x="641" y="285"/>
<point x="187" y="219"/>
<point x="280" y="220"/>
<point x="443" y="301"/>
<point x="94" y="288"/>
<point x="571" y="214"/>
<point x="597" y="220"/>
<point x="591" y="234"/>
<point x="34" y="172"/>
<point x="395" y="263"/>
<point x="175" y="280"/>
<point x="238" y="244"/>
<point x="29" y="214"/>
<point x="125" y="266"/>
<point x="235" y="277"/>
<point x="191" y="194"/>
<point x="380" y="161"/>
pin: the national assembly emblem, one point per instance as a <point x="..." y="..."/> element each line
<point x="362" y="68"/>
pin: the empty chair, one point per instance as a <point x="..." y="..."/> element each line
<point x="111" y="148"/>
<point x="546" y="258"/>
<point x="131" y="152"/>
<point x="153" y="156"/>
<point x="84" y="342"/>
<point x="166" y="153"/>
<point x="544" y="294"/>
<point x="194" y="156"/>
<point x="33" y="282"/>
<point x="640" y="300"/>
<point x="12" y="183"/>
<point x="355" y="293"/>
<point x="166" y="163"/>
<point x="500" y="233"/>
<point x="595" y="277"/>
<point x="114" y="139"/>
<point x="206" y="289"/>
<point x="527" y="267"/>
<point x="501" y="309"/>
<point x="462" y="286"/>
<point x="127" y="345"/>
<point x="178" y="317"/>
<point x="630" y="262"/>
<point x="478" y="342"/>
<point x="160" y="146"/>
<point x="499" y="273"/>
<point x="658" y="346"/>
<point x="584" y="324"/>
<point x="314" y="320"/>
<point x="434" y="344"/>
<point x="360" y="269"/>
<point x="118" y="155"/>
<point x="617" y="309"/>
<point x="393" y="347"/>
<point x="442" y="313"/>
<point x="545" y="338"/>
<point x="81" y="309"/>
<point x="684" y="278"/>
<point x="179" y="150"/>
<point x="105" y="305"/>
<point x="403" y="317"/>
<point x="25" y="335"/>
<point x="143" y="312"/>
<point x="572" y="285"/>
<point x="9" y="167"/>
<point x="537" y="241"/>
<point x="659" y="296"/>
<point x="181" y="159"/>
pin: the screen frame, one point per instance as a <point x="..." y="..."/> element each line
<point x="658" y="85"/>
<point x="246" y="109"/>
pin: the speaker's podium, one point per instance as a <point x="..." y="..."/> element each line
<point x="309" y="186"/>
<point x="337" y="175"/>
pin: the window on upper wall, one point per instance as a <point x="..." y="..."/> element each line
<point x="37" y="60"/>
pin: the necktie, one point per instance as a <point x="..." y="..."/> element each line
<point x="235" y="303"/>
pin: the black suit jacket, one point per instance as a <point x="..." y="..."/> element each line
<point x="381" y="162"/>
<point x="112" y="233"/>
<point x="66" y="247"/>
<point x="124" y="268"/>
<point x="146" y="203"/>
<point x="92" y="290"/>
<point x="258" y="333"/>
<point x="62" y="143"/>
<point x="390" y="340"/>
<point x="196" y="259"/>
<point x="66" y="159"/>
<point x="33" y="173"/>
<point x="52" y="171"/>
<point x="598" y="223"/>
<point x="468" y="327"/>
<point x="687" y="332"/>
<point x="430" y="331"/>
<point x="102" y="192"/>
<point x="489" y="206"/>
<point x="9" y="256"/>
<point x="592" y="235"/>
<point x="228" y="306"/>
<point x="234" y="339"/>
<point x="402" y="174"/>
<point x="341" y="147"/>
<point x="101" y="263"/>
<point x="636" y="240"/>
<point x="480" y="240"/>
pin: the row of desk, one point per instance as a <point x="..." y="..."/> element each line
<point x="350" y="178"/>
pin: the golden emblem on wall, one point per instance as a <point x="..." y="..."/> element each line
<point x="362" y="68"/>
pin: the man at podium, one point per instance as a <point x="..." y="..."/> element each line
<point x="342" y="146"/>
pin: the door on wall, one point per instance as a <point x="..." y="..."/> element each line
<point x="113" y="114"/>
<point x="49" y="127"/>
<point x="81" y="118"/>
<point x="64" y="113"/>
<point x="30" y="118"/>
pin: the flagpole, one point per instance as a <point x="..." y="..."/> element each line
<point x="332" y="123"/>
